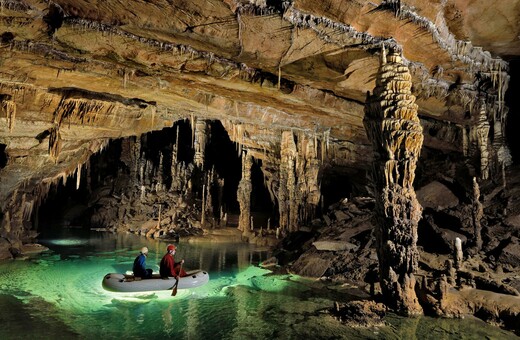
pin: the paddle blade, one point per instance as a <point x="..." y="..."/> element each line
<point x="174" y="290"/>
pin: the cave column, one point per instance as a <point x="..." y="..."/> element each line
<point x="244" y="194"/>
<point x="394" y="128"/>
<point x="286" y="190"/>
<point x="199" y="143"/>
<point x="477" y="214"/>
<point x="308" y="170"/>
<point x="482" y="132"/>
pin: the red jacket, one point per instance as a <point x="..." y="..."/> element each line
<point x="169" y="268"/>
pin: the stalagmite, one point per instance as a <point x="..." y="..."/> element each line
<point x="465" y="141"/>
<point x="159" y="177"/>
<point x="393" y="127"/>
<point x="298" y="191"/>
<point x="458" y="254"/>
<point x="244" y="193"/>
<point x="307" y="170"/>
<point x="482" y="132"/>
<point x="143" y="192"/>
<point x="200" y="139"/>
<point x="220" y="199"/>
<point x="477" y="214"/>
<point x="208" y="207"/>
<point x="203" y="207"/>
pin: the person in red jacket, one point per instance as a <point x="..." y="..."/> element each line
<point x="170" y="268"/>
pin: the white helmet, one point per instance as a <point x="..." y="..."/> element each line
<point x="144" y="250"/>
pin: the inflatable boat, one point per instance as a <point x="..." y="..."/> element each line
<point x="115" y="282"/>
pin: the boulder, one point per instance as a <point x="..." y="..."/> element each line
<point x="5" y="253"/>
<point x="437" y="196"/>
<point x="312" y="264"/>
<point x="510" y="254"/>
<point x="333" y="245"/>
<point x="513" y="221"/>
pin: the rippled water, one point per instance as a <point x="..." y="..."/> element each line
<point x="58" y="294"/>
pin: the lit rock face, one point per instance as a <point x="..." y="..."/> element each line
<point x="396" y="133"/>
<point x="77" y="73"/>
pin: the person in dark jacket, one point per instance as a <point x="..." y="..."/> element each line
<point x="139" y="268"/>
<point x="170" y="268"/>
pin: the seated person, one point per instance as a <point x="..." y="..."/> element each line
<point x="139" y="268"/>
<point x="169" y="268"/>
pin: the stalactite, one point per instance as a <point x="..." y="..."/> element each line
<point x="394" y="128"/>
<point x="9" y="107"/>
<point x="78" y="176"/>
<point x="200" y="140"/>
<point x="482" y="133"/>
<point x="244" y="193"/>
<point x="175" y="154"/>
<point x="28" y="207"/>
<point x="193" y="124"/>
<point x="82" y="111"/>
<point x="55" y="143"/>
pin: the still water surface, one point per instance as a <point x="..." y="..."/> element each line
<point x="58" y="294"/>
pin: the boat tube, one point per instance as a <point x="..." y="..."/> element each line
<point x="116" y="282"/>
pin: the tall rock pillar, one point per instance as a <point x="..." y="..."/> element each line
<point x="201" y="137"/>
<point x="287" y="200"/>
<point x="393" y="127"/>
<point x="244" y="194"/>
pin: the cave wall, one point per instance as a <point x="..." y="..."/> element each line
<point x="72" y="79"/>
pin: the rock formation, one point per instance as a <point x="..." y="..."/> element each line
<point x="120" y="99"/>
<point x="244" y="194"/>
<point x="396" y="134"/>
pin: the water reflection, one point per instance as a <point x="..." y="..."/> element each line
<point x="59" y="294"/>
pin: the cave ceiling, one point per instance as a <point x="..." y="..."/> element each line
<point x="89" y="71"/>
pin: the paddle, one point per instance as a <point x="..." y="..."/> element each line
<point x="174" y="289"/>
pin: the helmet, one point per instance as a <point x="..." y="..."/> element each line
<point x="144" y="250"/>
<point x="171" y="247"/>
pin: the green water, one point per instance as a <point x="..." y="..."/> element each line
<point x="58" y="294"/>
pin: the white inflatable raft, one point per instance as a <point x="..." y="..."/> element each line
<point x="115" y="282"/>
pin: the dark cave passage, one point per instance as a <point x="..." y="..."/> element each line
<point x="67" y="205"/>
<point x="221" y="154"/>
<point x="336" y="185"/>
<point x="113" y="173"/>
<point x="3" y="156"/>
<point x="262" y="208"/>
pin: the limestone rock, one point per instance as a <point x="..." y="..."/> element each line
<point x="331" y="245"/>
<point x="510" y="254"/>
<point x="437" y="196"/>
